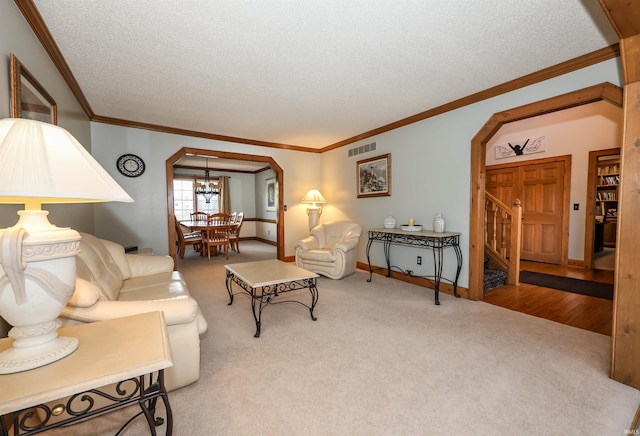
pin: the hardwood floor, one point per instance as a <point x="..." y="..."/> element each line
<point x="581" y="311"/>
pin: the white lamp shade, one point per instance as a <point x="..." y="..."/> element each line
<point x="43" y="163"/>
<point x="313" y="196"/>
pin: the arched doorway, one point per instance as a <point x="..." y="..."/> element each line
<point x="229" y="155"/>
<point x="605" y="91"/>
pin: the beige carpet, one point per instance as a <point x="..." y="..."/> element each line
<point x="382" y="359"/>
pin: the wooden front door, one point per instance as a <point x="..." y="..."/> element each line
<point x="540" y="186"/>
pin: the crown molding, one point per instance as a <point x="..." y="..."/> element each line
<point x="33" y="17"/>
<point x="584" y="61"/>
<point x="196" y="134"/>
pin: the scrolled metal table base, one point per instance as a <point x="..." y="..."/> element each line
<point x="143" y="390"/>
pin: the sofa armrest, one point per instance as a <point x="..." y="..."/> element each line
<point x="176" y="311"/>
<point x="143" y="265"/>
<point x="308" y="243"/>
<point x="346" y="245"/>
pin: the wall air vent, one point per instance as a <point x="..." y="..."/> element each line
<point x="362" y="149"/>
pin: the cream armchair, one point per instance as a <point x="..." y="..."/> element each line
<point x="330" y="250"/>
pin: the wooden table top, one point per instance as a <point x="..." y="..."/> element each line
<point x="196" y="225"/>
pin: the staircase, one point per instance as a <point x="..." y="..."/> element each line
<point x="493" y="277"/>
<point x="502" y="241"/>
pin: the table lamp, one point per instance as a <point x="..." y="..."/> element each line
<point x="42" y="163"/>
<point x="314" y="211"/>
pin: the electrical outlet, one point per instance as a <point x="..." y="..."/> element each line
<point x="419" y="260"/>
<point x="576" y="206"/>
<point x="268" y="232"/>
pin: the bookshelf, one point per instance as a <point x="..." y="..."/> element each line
<point x="607" y="183"/>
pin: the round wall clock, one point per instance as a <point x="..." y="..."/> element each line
<point x="130" y="165"/>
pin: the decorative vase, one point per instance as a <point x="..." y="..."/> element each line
<point x="390" y="222"/>
<point x="438" y="223"/>
<point x="39" y="278"/>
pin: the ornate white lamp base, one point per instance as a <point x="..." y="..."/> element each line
<point x="22" y="359"/>
<point x="314" y="216"/>
<point x="37" y="278"/>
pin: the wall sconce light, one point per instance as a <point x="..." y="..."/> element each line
<point x="42" y="163"/>
<point x="314" y="211"/>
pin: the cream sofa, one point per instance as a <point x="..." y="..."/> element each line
<point x="112" y="284"/>
<point x="331" y="249"/>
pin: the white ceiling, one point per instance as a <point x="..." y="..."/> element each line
<point x="307" y="73"/>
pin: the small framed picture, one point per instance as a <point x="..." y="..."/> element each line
<point x="272" y="194"/>
<point x="374" y="176"/>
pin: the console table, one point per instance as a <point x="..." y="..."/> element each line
<point x="437" y="242"/>
<point x="130" y="352"/>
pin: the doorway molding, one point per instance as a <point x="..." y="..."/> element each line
<point x="602" y="92"/>
<point x="589" y="225"/>
<point x="229" y="155"/>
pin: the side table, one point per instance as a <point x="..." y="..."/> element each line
<point x="131" y="352"/>
<point x="435" y="241"/>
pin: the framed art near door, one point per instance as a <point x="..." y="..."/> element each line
<point x="29" y="99"/>
<point x="374" y="176"/>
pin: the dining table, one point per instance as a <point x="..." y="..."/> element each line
<point x="199" y="225"/>
<point x="203" y="225"/>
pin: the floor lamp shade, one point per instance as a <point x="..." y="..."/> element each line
<point x="42" y="163"/>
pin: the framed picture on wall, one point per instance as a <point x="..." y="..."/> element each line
<point x="29" y="99"/>
<point x="272" y="195"/>
<point x="374" y="176"/>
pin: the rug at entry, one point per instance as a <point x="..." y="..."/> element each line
<point x="577" y="286"/>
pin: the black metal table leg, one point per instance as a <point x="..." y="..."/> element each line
<point x="369" y="259"/>
<point x="257" y="316"/>
<point x="314" y="297"/>
<point x="458" y="252"/>
<point x="437" y="263"/>
<point x="229" y="284"/>
<point x="387" y="255"/>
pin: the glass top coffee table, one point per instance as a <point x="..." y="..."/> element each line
<point x="266" y="280"/>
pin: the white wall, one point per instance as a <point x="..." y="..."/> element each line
<point x="16" y="37"/>
<point x="431" y="168"/>
<point x="575" y="132"/>
<point x="144" y="222"/>
<point x="264" y="230"/>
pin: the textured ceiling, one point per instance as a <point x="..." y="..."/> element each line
<point x="307" y="73"/>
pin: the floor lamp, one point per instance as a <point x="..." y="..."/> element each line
<point x="314" y="211"/>
<point x="41" y="163"/>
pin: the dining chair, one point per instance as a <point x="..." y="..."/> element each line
<point x="234" y="233"/>
<point x="216" y="234"/>
<point x="185" y="239"/>
<point x="199" y="216"/>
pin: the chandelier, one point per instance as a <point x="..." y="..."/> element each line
<point x="207" y="189"/>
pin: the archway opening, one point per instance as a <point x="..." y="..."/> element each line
<point x="228" y="155"/>
<point x="604" y="91"/>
